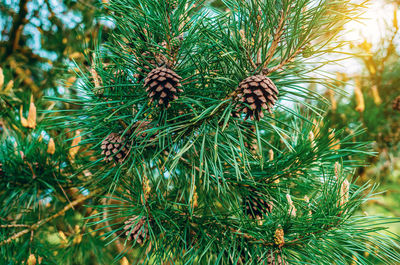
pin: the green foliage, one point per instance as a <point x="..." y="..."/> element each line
<point x="190" y="173"/>
<point x="198" y="185"/>
<point x="39" y="38"/>
<point x="378" y="82"/>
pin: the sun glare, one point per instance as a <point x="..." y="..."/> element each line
<point x="376" y="21"/>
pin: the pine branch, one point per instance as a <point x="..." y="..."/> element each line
<point x="17" y="27"/>
<point x="277" y="37"/>
<point x="44" y="221"/>
<point x="14" y="225"/>
<point x="286" y="61"/>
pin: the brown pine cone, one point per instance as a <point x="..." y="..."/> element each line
<point x="115" y="148"/>
<point x="256" y="206"/>
<point x="163" y="86"/>
<point x="137" y="229"/>
<point x="396" y="103"/>
<point x="258" y="93"/>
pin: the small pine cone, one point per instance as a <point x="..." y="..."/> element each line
<point x="176" y="43"/>
<point x="256" y="207"/>
<point x="276" y="259"/>
<point x="396" y="103"/>
<point x="137" y="230"/>
<point x="259" y="93"/>
<point x="162" y="86"/>
<point x="145" y="66"/>
<point x="115" y="148"/>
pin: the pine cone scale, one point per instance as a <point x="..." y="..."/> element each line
<point x="140" y="231"/>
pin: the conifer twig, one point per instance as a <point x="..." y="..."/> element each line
<point x="284" y="62"/>
<point x="17" y="27"/>
<point x="46" y="220"/>
<point x="276" y="39"/>
<point x="13" y="225"/>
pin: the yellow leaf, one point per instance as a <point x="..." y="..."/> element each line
<point x="24" y="122"/>
<point x="70" y="81"/>
<point x="344" y="192"/>
<point x="75" y="55"/>
<point x="194" y="199"/>
<point x="77" y="239"/>
<point x="32" y="114"/>
<point x="124" y="261"/>
<point x="375" y="95"/>
<point x="366" y="46"/>
<point x="31" y="260"/>
<point x="63" y="237"/>
<point x="74" y="145"/>
<point x="371" y="68"/>
<point x="1" y="78"/>
<point x="51" y="147"/>
<point x="271" y="154"/>
<point x="359" y="97"/>
<point x="78" y="236"/>
<point x="9" y="86"/>
<point x="279" y="237"/>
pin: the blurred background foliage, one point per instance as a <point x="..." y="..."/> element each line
<point x="40" y="43"/>
<point x="40" y="40"/>
<point x="370" y="100"/>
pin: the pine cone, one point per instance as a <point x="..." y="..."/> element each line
<point x="256" y="207"/>
<point x="137" y="230"/>
<point x="115" y="148"/>
<point x="145" y="65"/>
<point x="276" y="259"/>
<point x="259" y="93"/>
<point x="396" y="103"/>
<point x="175" y="44"/>
<point x="162" y="86"/>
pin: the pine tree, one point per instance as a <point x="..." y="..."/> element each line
<point x="39" y="181"/>
<point x="373" y="107"/>
<point x="216" y="155"/>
